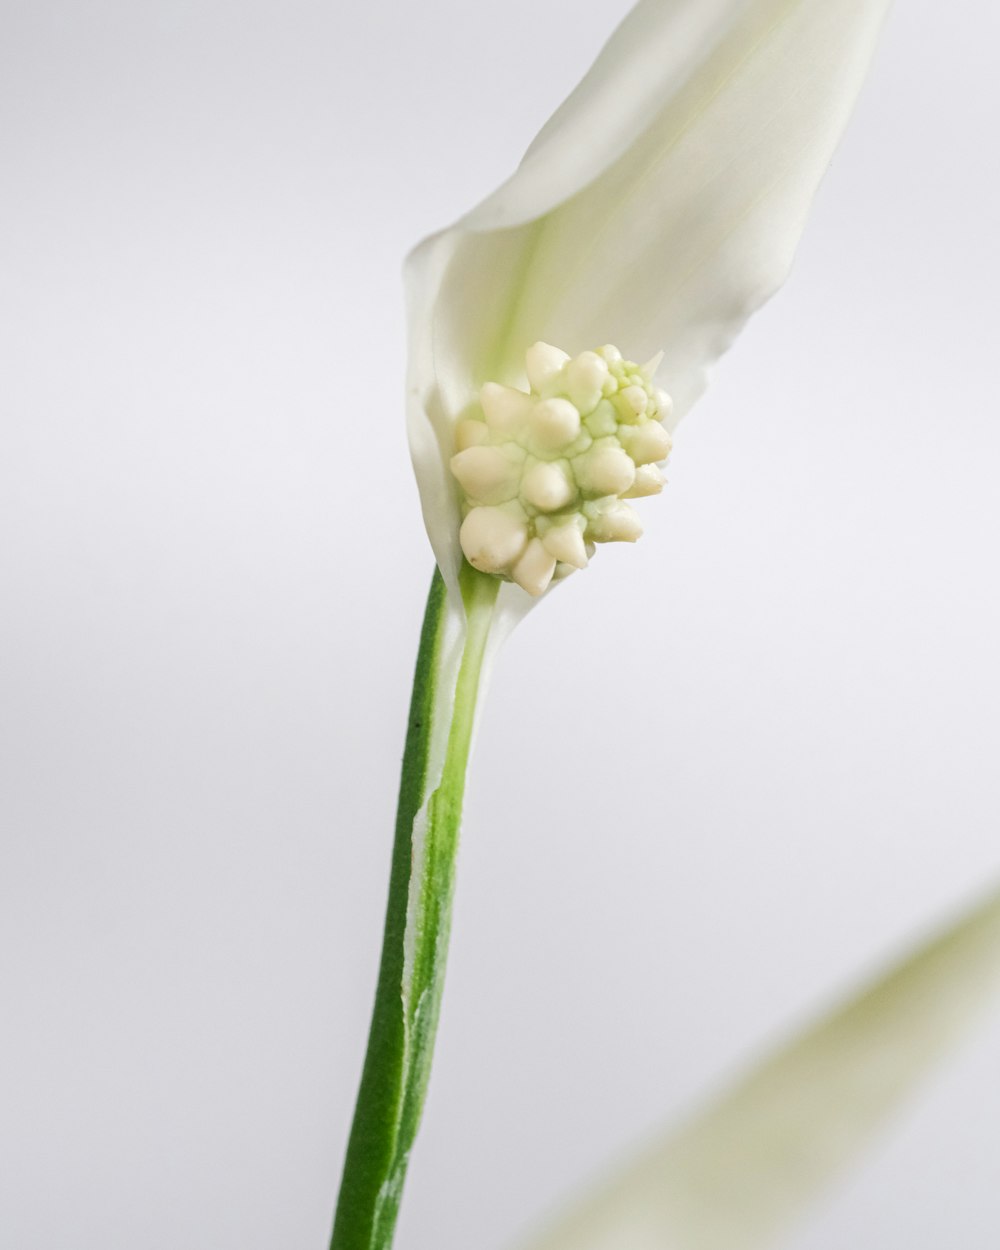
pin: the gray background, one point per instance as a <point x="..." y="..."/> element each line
<point x="720" y="775"/>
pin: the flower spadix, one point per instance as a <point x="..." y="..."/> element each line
<point x="545" y="473"/>
<point x="658" y="208"/>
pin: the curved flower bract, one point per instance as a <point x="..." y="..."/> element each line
<point x="659" y="208"/>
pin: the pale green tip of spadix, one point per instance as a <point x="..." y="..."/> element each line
<point x="544" y="472"/>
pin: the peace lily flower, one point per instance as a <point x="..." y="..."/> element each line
<point x="657" y="210"/>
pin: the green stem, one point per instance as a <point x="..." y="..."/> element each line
<point x="418" y="919"/>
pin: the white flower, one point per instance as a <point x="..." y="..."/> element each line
<point x="659" y="207"/>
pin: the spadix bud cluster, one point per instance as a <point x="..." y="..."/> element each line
<point x="545" y="473"/>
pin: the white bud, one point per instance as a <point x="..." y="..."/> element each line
<point x="533" y="571"/>
<point x="585" y="377"/>
<point x="470" y="433"/>
<point x="610" y="353"/>
<point x="543" y="362"/>
<point x="634" y="399"/>
<point x="485" y="474"/>
<point x="547" y="487"/>
<point x="554" y="423"/>
<point x="506" y="409"/>
<point x="648" y="481"/>
<point x="566" y="543"/>
<point x="647" y="442"/>
<point x="605" y="471"/>
<point x="664" y="404"/>
<point x="616" y="523"/>
<point x="493" y="539"/>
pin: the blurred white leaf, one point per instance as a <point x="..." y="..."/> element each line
<point x="737" y="1174"/>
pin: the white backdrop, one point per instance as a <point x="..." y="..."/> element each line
<point x="720" y="776"/>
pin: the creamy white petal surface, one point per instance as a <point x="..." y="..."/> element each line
<point x="658" y="208"/>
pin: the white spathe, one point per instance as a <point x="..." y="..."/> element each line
<point x="659" y="207"/>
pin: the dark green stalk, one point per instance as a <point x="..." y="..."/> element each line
<point x="418" y="916"/>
